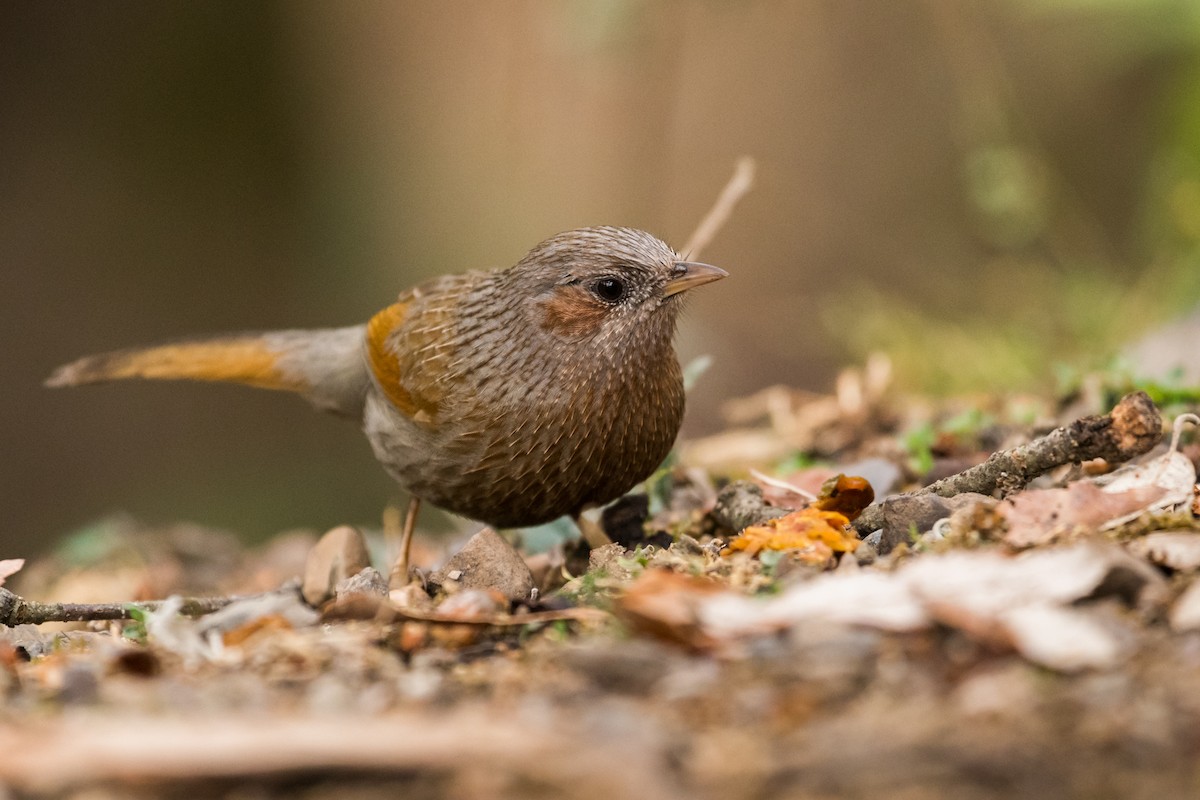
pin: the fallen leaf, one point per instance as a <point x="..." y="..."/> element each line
<point x="666" y="605"/>
<point x="10" y="567"/>
<point x="794" y="489"/>
<point x="1063" y="639"/>
<point x="1173" y="474"/>
<point x="988" y="583"/>
<point x="872" y="599"/>
<point x="1022" y="603"/>
<point x="471" y="605"/>
<point x="1177" y="551"/>
<point x="1041" y="516"/>
<point x="269" y="622"/>
<point x="821" y="532"/>
<point x="845" y="494"/>
<point x="1185" y="614"/>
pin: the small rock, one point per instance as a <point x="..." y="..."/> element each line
<point x="741" y="504"/>
<point x="903" y="513"/>
<point x="340" y="554"/>
<point x="365" y="582"/>
<point x="865" y="553"/>
<point x="688" y="546"/>
<point x="606" y="558"/>
<point x="487" y="561"/>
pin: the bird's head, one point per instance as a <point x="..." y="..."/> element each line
<point x="611" y="285"/>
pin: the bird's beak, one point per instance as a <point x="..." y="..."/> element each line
<point x="689" y="275"/>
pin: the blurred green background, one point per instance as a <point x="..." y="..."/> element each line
<point x="983" y="189"/>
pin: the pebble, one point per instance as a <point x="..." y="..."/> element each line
<point x="487" y="561"/>
<point x="338" y="555"/>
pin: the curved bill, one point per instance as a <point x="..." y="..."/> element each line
<point x="690" y="274"/>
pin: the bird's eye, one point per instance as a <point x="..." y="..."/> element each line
<point x="610" y="290"/>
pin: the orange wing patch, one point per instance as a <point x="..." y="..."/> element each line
<point x="385" y="364"/>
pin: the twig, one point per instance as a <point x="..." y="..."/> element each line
<point x="379" y="609"/>
<point x="16" y="610"/>
<point x="1132" y="428"/>
<point x="739" y="184"/>
<point x="784" y="486"/>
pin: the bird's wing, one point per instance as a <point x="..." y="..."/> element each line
<point x="409" y="346"/>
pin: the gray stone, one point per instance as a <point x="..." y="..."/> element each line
<point x="339" y="554"/>
<point x="487" y="561"/>
<point x="906" y="512"/>
<point x="365" y="582"/>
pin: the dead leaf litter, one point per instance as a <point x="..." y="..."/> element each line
<point x="1035" y="638"/>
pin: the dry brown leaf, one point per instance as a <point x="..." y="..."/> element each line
<point x="1041" y="516"/>
<point x="1022" y="603"/>
<point x="1064" y="639"/>
<point x="1173" y="474"/>
<point x="872" y="599"/>
<point x="845" y="494"/>
<point x="10" y="567"/>
<point x="270" y="622"/>
<point x="809" y="529"/>
<point x="1185" y="614"/>
<point x="1177" y="551"/>
<point x="666" y="605"/>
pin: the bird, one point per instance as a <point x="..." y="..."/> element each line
<point x="512" y="396"/>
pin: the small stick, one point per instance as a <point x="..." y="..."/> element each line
<point x="1132" y="428"/>
<point x="776" y="483"/>
<point x="16" y="610"/>
<point x="739" y="184"/>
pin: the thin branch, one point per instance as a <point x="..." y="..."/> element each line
<point x="380" y="609"/>
<point x="16" y="610"/>
<point x="1132" y="428"/>
<point x="739" y="184"/>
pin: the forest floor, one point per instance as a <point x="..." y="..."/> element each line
<point x="1037" y="637"/>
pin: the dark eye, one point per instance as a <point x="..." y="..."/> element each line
<point x="610" y="290"/>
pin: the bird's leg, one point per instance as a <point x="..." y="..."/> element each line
<point x="593" y="534"/>
<point x="399" y="576"/>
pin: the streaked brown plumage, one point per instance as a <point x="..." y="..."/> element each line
<point x="512" y="397"/>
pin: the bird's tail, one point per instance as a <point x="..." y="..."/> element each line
<point x="324" y="366"/>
